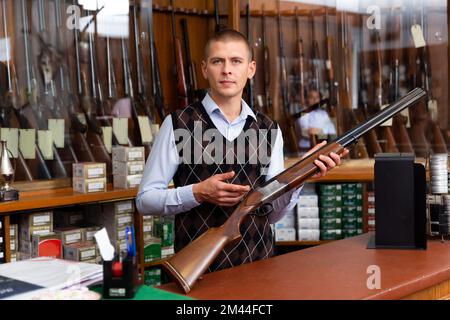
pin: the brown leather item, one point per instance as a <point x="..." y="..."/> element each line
<point x="337" y="270"/>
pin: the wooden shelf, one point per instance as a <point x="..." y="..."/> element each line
<point x="302" y="243"/>
<point x="51" y="198"/>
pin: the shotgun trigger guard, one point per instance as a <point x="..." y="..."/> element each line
<point x="264" y="210"/>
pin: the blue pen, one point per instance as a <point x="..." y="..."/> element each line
<point x="131" y="241"/>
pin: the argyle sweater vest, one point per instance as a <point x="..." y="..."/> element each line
<point x="257" y="240"/>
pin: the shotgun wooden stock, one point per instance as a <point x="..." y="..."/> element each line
<point x="187" y="265"/>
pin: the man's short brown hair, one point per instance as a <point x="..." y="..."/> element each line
<point x="228" y="35"/>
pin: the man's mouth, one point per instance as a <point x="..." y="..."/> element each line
<point x="226" y="82"/>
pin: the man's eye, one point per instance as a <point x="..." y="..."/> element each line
<point x="215" y="61"/>
<point x="237" y="61"/>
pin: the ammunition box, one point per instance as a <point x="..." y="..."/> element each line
<point x="89" y="185"/>
<point x="36" y="219"/>
<point x="27" y="232"/>
<point x="13" y="245"/>
<point x="308" y="201"/>
<point x="352" y="212"/>
<point x="80" y="251"/>
<point x="89" y="170"/>
<point x="307" y="212"/>
<point x="127" y="182"/>
<point x="123" y="207"/>
<point x="308" y="223"/>
<point x="164" y="230"/>
<point x="330" y="201"/>
<point x="308" y="235"/>
<point x="352" y="188"/>
<point x="128" y="168"/>
<point x="284" y="234"/>
<point x="352" y="200"/>
<point x="152" y="250"/>
<point x="46" y="246"/>
<point x="330" y="223"/>
<point x="13" y="257"/>
<point x="70" y="235"/>
<point x="331" y="234"/>
<point x="330" y="212"/>
<point x="169" y="251"/>
<point x="330" y="189"/>
<point x="89" y="232"/>
<point x="152" y="277"/>
<point x="68" y="219"/>
<point x="347" y="233"/>
<point x="127" y="154"/>
<point x="352" y="223"/>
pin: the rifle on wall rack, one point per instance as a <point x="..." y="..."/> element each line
<point x="301" y="62"/>
<point x="188" y="264"/>
<point x="285" y="105"/>
<point x="9" y="99"/>
<point x="157" y="92"/>
<point x="182" y="91"/>
<point x="250" y="82"/>
<point x="346" y="114"/>
<point x="267" y="100"/>
<point x="329" y="67"/>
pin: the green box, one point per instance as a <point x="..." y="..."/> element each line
<point x="351" y="232"/>
<point x="331" y="234"/>
<point x="330" y="223"/>
<point x="152" y="250"/>
<point x="331" y="201"/>
<point x="330" y="189"/>
<point x="164" y="230"/>
<point x="352" y="223"/>
<point x="352" y="188"/>
<point x="330" y="212"/>
<point x="352" y="200"/>
<point x="152" y="276"/>
<point x="352" y="212"/>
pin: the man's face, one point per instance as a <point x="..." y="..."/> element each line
<point x="227" y="68"/>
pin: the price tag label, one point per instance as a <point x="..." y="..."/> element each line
<point x="45" y="143"/>
<point x="27" y="143"/>
<point x="107" y="138"/>
<point x="433" y="109"/>
<point x="11" y="136"/>
<point x="120" y="129"/>
<point x="387" y="122"/>
<point x="56" y="126"/>
<point x="417" y="34"/>
<point x="146" y="131"/>
<point x="405" y="113"/>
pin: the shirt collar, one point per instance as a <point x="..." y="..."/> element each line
<point x="211" y="106"/>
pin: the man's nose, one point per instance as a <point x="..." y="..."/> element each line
<point x="226" y="67"/>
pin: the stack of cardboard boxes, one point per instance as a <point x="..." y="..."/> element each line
<point x="158" y="238"/>
<point x="115" y="217"/>
<point x="14" y="242"/>
<point x="371" y="211"/>
<point x="341" y="210"/>
<point x="36" y="236"/>
<point x="128" y="166"/>
<point x="285" y="227"/>
<point x="89" y="177"/>
<point x="308" y="222"/>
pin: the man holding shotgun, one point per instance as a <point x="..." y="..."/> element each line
<point x="215" y="151"/>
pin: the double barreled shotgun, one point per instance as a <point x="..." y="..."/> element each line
<point x="190" y="263"/>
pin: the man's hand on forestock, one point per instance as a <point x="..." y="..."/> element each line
<point x="325" y="163"/>
<point x="218" y="191"/>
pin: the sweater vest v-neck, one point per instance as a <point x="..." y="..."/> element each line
<point x="257" y="240"/>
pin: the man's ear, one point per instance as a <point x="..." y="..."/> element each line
<point x="204" y="70"/>
<point x="251" y="69"/>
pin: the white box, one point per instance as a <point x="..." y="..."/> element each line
<point x="89" y="185"/>
<point x="285" y="234"/>
<point x="308" y="235"/>
<point x="126" y="154"/>
<point x="127" y="182"/>
<point x="308" y="212"/>
<point x="308" y="201"/>
<point x="89" y="170"/>
<point x="308" y="223"/>
<point x="128" y="168"/>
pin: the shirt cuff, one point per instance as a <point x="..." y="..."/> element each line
<point x="187" y="199"/>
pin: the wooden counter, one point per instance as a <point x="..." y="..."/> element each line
<point x="336" y="270"/>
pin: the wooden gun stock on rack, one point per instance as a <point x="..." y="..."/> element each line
<point x="191" y="262"/>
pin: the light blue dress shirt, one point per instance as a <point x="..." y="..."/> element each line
<point x="154" y="197"/>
